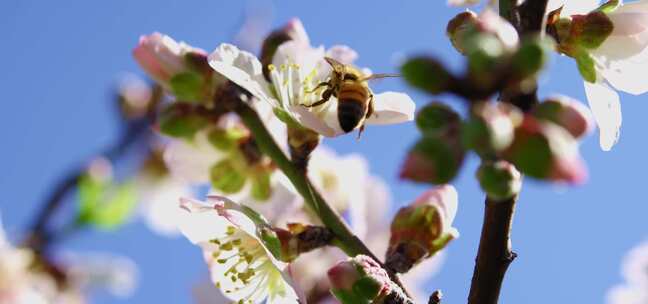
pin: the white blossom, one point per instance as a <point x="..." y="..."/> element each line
<point x="296" y="69"/>
<point x="241" y="266"/>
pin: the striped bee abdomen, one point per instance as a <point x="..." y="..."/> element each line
<point x="350" y="113"/>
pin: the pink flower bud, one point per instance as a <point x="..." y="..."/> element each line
<point x="362" y="280"/>
<point x="544" y="150"/>
<point x="423" y="228"/>
<point x="491" y="127"/>
<point x="163" y="58"/>
<point x="467" y="25"/>
<point x="434" y="159"/>
<point x="567" y="113"/>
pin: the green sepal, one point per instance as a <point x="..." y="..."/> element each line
<point x="286" y="118"/>
<point x="227" y="177"/>
<point x="586" y="66"/>
<point x="271" y="242"/>
<point x="187" y="86"/>
<point x="596" y="28"/>
<point x="367" y="288"/>
<point x="225" y="140"/>
<point x="177" y="122"/>
<point x="609" y="6"/>
<point x="348" y="297"/>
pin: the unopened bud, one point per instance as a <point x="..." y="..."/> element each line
<point x="434" y="159"/>
<point x="421" y="229"/>
<point x="486" y="32"/>
<point x="179" y="68"/>
<point x="530" y="57"/>
<point x="544" y="150"/>
<point x="568" y="113"/>
<point x="437" y="119"/>
<point x="491" y="127"/>
<point x="362" y="280"/>
<point x="500" y="180"/>
<point x="292" y="31"/>
<point x="428" y="74"/>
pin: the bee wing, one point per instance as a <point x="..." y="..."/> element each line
<point x="379" y="76"/>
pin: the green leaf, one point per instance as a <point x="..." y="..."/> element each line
<point x="187" y="86"/>
<point x="176" y="121"/>
<point x="426" y="73"/>
<point x="586" y="66"/>
<point x="105" y="205"/>
<point x="116" y="208"/>
<point x="226" y="177"/>
<point x="89" y="194"/>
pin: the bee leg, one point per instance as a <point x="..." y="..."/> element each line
<point x="325" y="97"/>
<point x="321" y="84"/>
<point x="360" y="130"/>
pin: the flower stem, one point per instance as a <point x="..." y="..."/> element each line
<point x="346" y="240"/>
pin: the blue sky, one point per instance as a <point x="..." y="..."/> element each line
<point x="58" y="62"/>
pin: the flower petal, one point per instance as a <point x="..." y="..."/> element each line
<point x="392" y="108"/>
<point x="199" y="226"/>
<point x="627" y="75"/>
<point x="573" y="7"/>
<point x="605" y="105"/>
<point x="240" y="67"/>
<point x="316" y="123"/>
<point x="342" y="53"/>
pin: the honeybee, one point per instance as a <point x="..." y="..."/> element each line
<point x="355" y="99"/>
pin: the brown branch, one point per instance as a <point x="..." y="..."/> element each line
<point x="494" y="255"/>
